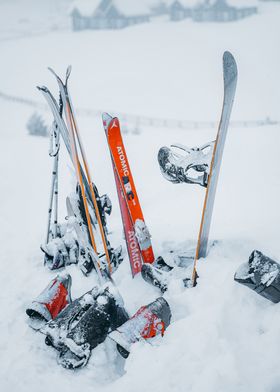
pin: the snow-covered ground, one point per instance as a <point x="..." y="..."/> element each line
<point x="223" y="336"/>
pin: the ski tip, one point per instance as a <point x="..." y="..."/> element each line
<point x="106" y="119"/>
<point x="42" y="88"/>
<point x="51" y="70"/>
<point x="55" y="74"/>
<point x="230" y="67"/>
<point x="68" y="71"/>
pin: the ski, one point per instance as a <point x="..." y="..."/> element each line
<point x="90" y="258"/>
<point x="230" y="82"/>
<point x="74" y="140"/>
<point x="90" y="191"/>
<point x="63" y="131"/>
<point x="133" y="248"/>
<point x="136" y="233"/>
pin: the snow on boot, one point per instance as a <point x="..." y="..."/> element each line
<point x="56" y="330"/>
<point x="83" y="325"/>
<point x="262" y="275"/>
<point x="50" y="302"/>
<point x="157" y="277"/>
<point x="62" y="250"/>
<point x="161" y="277"/>
<point x="148" y="322"/>
<point x="90" y="331"/>
<point x="161" y="264"/>
<point x="191" y="167"/>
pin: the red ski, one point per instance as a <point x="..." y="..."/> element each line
<point x="132" y="216"/>
<point x="133" y="248"/>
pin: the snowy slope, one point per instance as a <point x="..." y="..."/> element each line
<point x="224" y="337"/>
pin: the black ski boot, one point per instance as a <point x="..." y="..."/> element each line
<point x="262" y="275"/>
<point x="161" y="264"/>
<point x="157" y="277"/>
<point x="160" y="274"/>
<point x="57" y="329"/>
<point x="84" y="325"/>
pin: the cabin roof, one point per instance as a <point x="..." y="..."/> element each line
<point x="125" y="7"/>
<point x="238" y="3"/>
<point x="185" y="3"/>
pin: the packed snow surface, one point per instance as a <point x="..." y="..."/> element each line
<point x="223" y="337"/>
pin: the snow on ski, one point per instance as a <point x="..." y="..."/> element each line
<point x="64" y="132"/>
<point x="90" y="255"/>
<point x="132" y="213"/>
<point x="72" y="140"/>
<point x="230" y="81"/>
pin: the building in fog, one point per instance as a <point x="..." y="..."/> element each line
<point x="209" y="10"/>
<point x="180" y="9"/>
<point x="108" y="14"/>
<point x="221" y="11"/>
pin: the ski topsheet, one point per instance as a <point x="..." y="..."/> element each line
<point x="133" y="219"/>
<point x="133" y="248"/>
<point x="230" y="81"/>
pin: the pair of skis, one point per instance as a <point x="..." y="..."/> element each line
<point x="73" y="142"/>
<point x="137" y="236"/>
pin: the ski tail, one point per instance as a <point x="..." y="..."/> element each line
<point x="230" y="81"/>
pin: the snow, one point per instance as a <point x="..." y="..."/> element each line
<point x="223" y="336"/>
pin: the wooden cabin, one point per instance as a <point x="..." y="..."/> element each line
<point x="181" y="9"/>
<point x="221" y="11"/>
<point x="108" y="14"/>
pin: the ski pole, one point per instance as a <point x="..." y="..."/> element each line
<point x="53" y="185"/>
<point x="54" y="152"/>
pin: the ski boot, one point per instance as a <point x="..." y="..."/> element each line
<point x="162" y="265"/>
<point x="50" y="302"/>
<point x="262" y="275"/>
<point x="155" y="276"/>
<point x="62" y="250"/>
<point x="161" y="273"/>
<point x="84" y="325"/>
<point x="193" y="167"/>
<point x="147" y="323"/>
<point x="116" y="258"/>
<point x="56" y="330"/>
